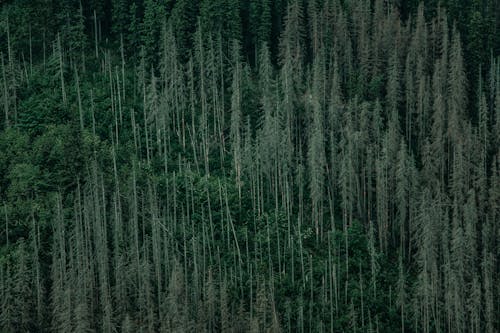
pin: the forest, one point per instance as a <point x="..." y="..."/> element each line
<point x="250" y="166"/>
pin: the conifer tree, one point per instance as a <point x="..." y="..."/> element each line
<point x="291" y="59"/>
<point x="405" y="193"/>
<point x="457" y="277"/>
<point x="457" y="89"/>
<point x="120" y="16"/>
<point x="7" y="316"/>
<point x="269" y="136"/>
<point x="316" y="152"/>
<point x="236" y="115"/>
<point x="22" y="289"/>
<point x="133" y="36"/>
<point x="261" y="22"/>
<point x="237" y="166"/>
<point x="151" y="27"/>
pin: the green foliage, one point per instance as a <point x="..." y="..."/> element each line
<point x="178" y="166"/>
<point x="151" y="27"/>
<point x="120" y="16"/>
<point x="221" y="17"/>
<point x="260" y="21"/>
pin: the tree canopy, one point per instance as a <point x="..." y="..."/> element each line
<point x="262" y="166"/>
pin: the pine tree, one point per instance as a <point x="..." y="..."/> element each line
<point x="225" y="315"/>
<point x="488" y="244"/>
<point x="426" y="259"/>
<point x="291" y="58"/>
<point x="261" y="22"/>
<point x="470" y="233"/>
<point x="457" y="90"/>
<point x="269" y="137"/>
<point x="316" y="152"/>
<point x="145" y="302"/>
<point x="402" y="294"/>
<point x="236" y="115"/>
<point x="133" y="35"/>
<point x="8" y="314"/>
<point x="176" y="318"/>
<point x="483" y="146"/>
<point x="82" y="321"/>
<point x="120" y="16"/>
<point x="458" y="271"/>
<point x="22" y="290"/>
<point x="150" y="29"/>
<point x="60" y="290"/>
<point x="437" y="168"/>
<point x="406" y="175"/>
<point x="37" y="276"/>
<point x="393" y="87"/>
<point x="374" y="264"/>
<point x="232" y="20"/>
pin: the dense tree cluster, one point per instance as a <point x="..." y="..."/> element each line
<point x="234" y="166"/>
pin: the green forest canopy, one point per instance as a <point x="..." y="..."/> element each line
<point x="234" y="166"/>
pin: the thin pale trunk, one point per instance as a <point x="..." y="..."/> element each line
<point x="61" y="68"/>
<point x="95" y="36"/>
<point x="5" y="94"/>
<point x="78" y="93"/>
